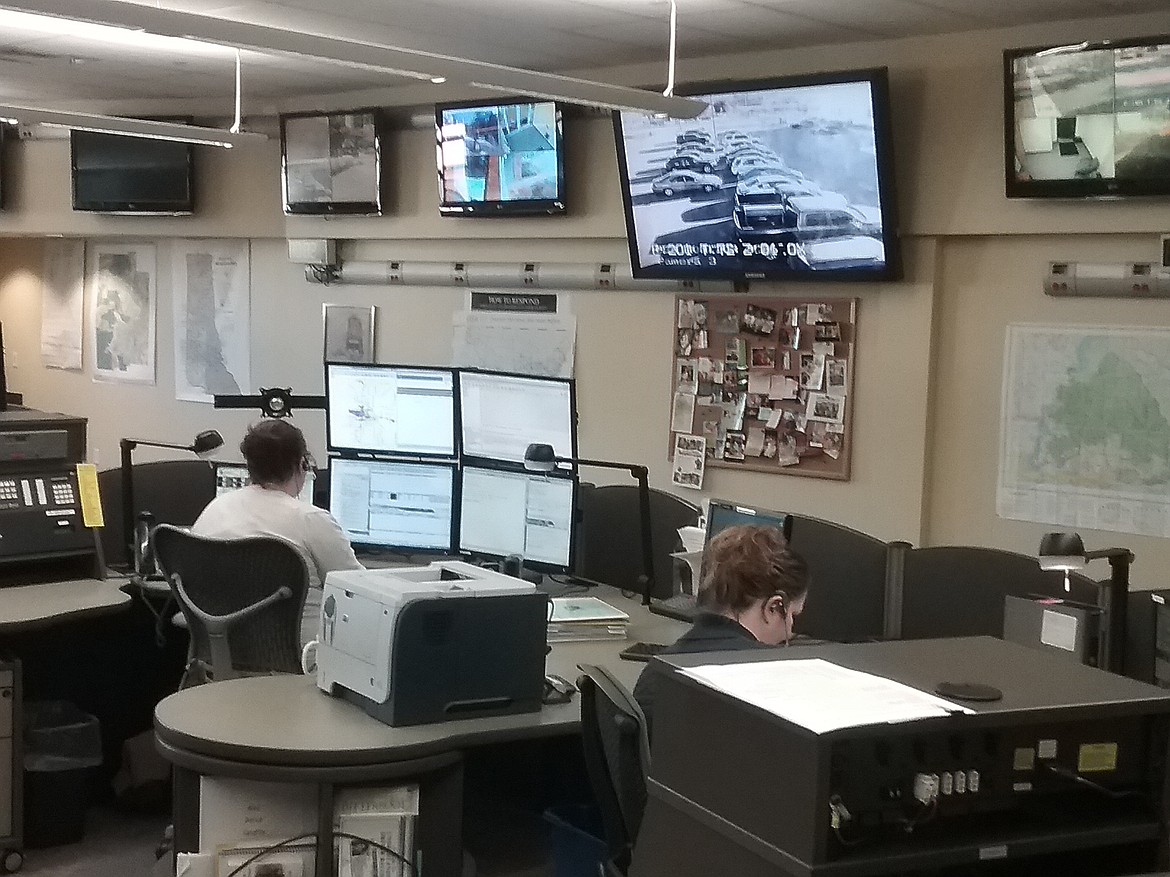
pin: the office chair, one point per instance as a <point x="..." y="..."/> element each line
<point x="242" y="599"/>
<point x="610" y="547"/>
<point x="617" y="756"/>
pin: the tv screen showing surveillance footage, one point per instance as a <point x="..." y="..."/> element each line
<point x="788" y="178"/>
<point x="497" y="159"/>
<point x="1085" y="121"/>
<point x="332" y="163"/>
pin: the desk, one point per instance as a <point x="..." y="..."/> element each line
<point x="282" y="728"/>
<point x="27" y="608"/>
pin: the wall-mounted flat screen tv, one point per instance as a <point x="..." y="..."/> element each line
<point x="332" y="163"/>
<point x="116" y="173"/>
<point x="1088" y="121"/>
<point x="500" y="159"/>
<point x="781" y="179"/>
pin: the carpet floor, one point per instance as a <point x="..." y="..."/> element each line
<point x="115" y="845"/>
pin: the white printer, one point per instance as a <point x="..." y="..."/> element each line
<point x="433" y="643"/>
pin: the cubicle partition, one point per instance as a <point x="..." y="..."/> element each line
<point x="848" y="570"/>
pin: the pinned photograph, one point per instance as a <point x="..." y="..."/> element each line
<point x="711" y="434"/>
<point x="699" y="311"/>
<point x="812" y="370"/>
<point x="727" y="322"/>
<point x="834" y="441"/>
<point x="734" y="445"/>
<point x="686" y="376"/>
<point x="759" y="381"/>
<point x="816" y="435"/>
<point x="786" y="360"/>
<point x="733" y="415"/>
<point x="788" y="454"/>
<point x="753" y="403"/>
<point x="690" y="456"/>
<point x="837" y="376"/>
<point x="700" y="339"/>
<point x="684" y="412"/>
<point x="686" y="313"/>
<point x="735" y="380"/>
<point x="825" y="348"/>
<point x="754" y="447"/>
<point x="784" y="339"/>
<point x="758" y="321"/>
<point x="685" y="342"/>
<point x="349" y="333"/>
<point x="736" y="352"/>
<point x="783" y="387"/>
<point x="829" y="331"/>
<point x="819" y="314"/>
<point x="763" y="357"/>
<point x="771" y="445"/>
<point x="790" y="317"/>
<point x="825" y="408"/>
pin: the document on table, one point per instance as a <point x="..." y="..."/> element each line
<point x="822" y="696"/>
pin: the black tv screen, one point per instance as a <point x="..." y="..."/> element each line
<point x="497" y="159"/>
<point x="332" y="163"/>
<point x="1089" y="120"/>
<point x="781" y="179"/>
<point x="116" y="173"/>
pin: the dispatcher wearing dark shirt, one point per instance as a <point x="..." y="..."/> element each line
<point x="754" y="587"/>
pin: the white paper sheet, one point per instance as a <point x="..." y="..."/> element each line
<point x="62" y="303"/>
<point x="821" y="696"/>
<point x="530" y="344"/>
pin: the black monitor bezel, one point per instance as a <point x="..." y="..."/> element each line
<point x="785" y="529"/>
<point x="456" y="415"/>
<point x="456" y="485"/>
<point x="518" y="207"/>
<point x="133" y="208"/>
<point x="373" y="207"/>
<point x="1070" y="189"/>
<point x="495" y="462"/>
<point x="878" y="78"/>
<point x="537" y="565"/>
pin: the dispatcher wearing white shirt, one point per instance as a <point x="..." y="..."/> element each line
<point x="278" y="462"/>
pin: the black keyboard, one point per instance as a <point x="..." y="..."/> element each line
<point x="680" y="607"/>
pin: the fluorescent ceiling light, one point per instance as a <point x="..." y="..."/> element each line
<point x="411" y="63"/>
<point x="132" y="127"/>
<point x="118" y="35"/>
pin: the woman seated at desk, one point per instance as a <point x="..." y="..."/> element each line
<point x="753" y="589"/>
<point x="278" y="462"/>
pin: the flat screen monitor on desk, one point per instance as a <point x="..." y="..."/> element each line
<point x="406" y="506"/>
<point x="233" y="476"/>
<point x="389" y="409"/>
<point x="504" y="413"/>
<point x="504" y="513"/>
<point x="722" y="514"/>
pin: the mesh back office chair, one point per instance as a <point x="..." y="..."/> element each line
<point x="611" y="547"/>
<point x="242" y="599"/>
<point x="956" y="590"/>
<point x="617" y="756"/>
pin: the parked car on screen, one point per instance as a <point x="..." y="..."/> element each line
<point x="830" y="215"/>
<point x="752" y="162"/>
<point x="733" y="139"/>
<point x="685" y="181"/>
<point x="694" y="135"/>
<point x="696" y="147"/>
<point x="686" y="161"/>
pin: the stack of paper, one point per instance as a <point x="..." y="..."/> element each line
<point x="580" y="619"/>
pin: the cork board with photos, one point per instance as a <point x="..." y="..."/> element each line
<point x="765" y="382"/>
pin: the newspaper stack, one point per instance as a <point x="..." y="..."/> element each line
<point x="583" y="619"/>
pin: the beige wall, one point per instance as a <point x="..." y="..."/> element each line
<point x="929" y="352"/>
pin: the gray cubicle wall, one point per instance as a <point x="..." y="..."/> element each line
<point x="957" y="590"/>
<point x="846" y="600"/>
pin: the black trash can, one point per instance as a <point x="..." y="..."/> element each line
<point x="61" y="744"/>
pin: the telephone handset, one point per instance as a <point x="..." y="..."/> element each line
<point x="145" y="564"/>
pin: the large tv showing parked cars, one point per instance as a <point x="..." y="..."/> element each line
<point x="785" y="178"/>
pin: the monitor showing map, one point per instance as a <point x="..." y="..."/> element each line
<point x="390" y="409"/>
<point x="396" y="504"/>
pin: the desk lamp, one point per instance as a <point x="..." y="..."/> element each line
<point x="1066" y="551"/>
<point x="206" y="443"/>
<point x="542" y="458"/>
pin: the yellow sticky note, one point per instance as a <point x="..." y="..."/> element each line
<point x="91" y="498"/>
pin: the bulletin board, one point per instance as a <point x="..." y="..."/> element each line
<point x="766" y="382"/>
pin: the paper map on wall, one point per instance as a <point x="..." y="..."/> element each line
<point x="62" y="303"/>
<point x="121" y="311"/>
<point x="211" y="312"/>
<point x="1084" y="438"/>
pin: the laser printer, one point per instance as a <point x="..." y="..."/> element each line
<point x="446" y="641"/>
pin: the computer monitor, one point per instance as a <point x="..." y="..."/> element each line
<point x="233" y="476"/>
<point x="722" y="514"/>
<point x="502" y="512"/>
<point x="407" y="506"/>
<point x="504" y="413"/>
<point x="390" y="409"/>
